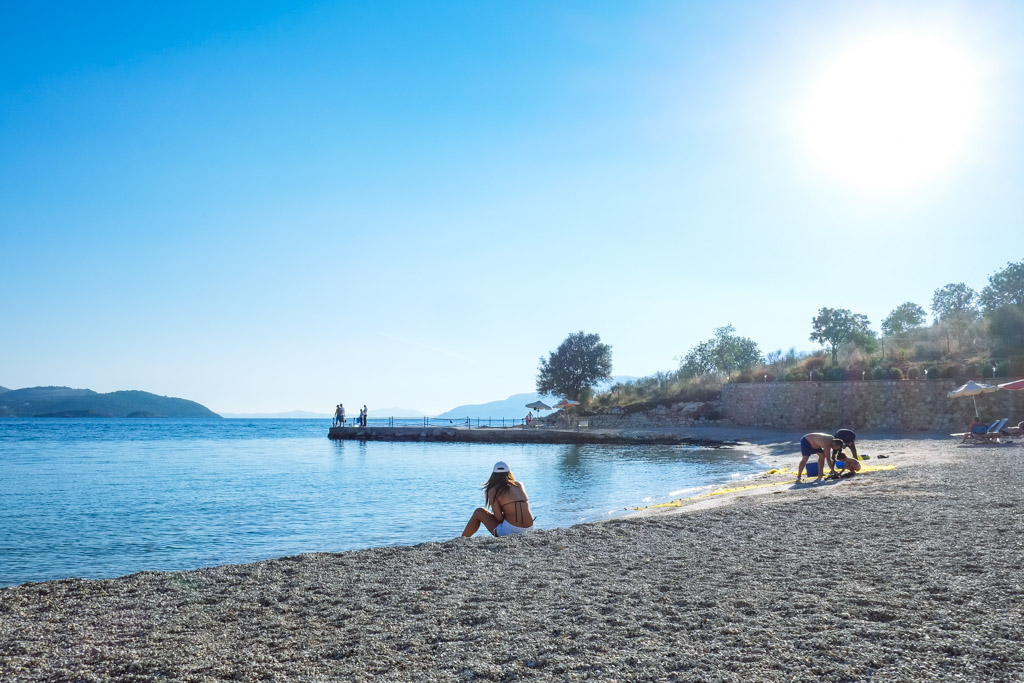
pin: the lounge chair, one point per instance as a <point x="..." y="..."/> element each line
<point x="976" y="430"/>
<point x="994" y="434"/>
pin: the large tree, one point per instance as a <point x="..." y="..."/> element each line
<point x="724" y="353"/>
<point x="1005" y="288"/>
<point x="1006" y="325"/>
<point x="955" y="305"/>
<point x="833" y="327"/>
<point x="905" y="317"/>
<point x="572" y="370"/>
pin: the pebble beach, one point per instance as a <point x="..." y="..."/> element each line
<point x="911" y="571"/>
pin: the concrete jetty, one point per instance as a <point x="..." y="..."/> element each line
<point x="516" y="435"/>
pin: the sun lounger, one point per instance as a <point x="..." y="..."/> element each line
<point x="976" y="431"/>
<point x="994" y="434"/>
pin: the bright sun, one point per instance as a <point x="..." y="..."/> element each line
<point x="892" y="112"/>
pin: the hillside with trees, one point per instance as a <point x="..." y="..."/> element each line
<point x="971" y="335"/>
<point x="67" y="402"/>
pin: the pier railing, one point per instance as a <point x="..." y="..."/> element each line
<point x="462" y="422"/>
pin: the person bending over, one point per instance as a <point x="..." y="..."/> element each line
<point x="509" y="503"/>
<point x="822" y="444"/>
<point x="849" y="439"/>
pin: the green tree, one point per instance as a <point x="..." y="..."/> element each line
<point x="733" y="352"/>
<point x="833" y="327"/>
<point x="1006" y="324"/>
<point x="725" y="353"/>
<point x="955" y="305"/>
<point x="1005" y="288"/>
<point x="700" y="360"/>
<point x="572" y="370"/>
<point x="905" y="317"/>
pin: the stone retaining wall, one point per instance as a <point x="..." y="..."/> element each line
<point x="882" y="405"/>
<point x="888" y="405"/>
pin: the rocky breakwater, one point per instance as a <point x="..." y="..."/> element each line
<point x="513" y="435"/>
<point x="679" y="415"/>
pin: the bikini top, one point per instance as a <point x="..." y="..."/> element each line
<point x="520" y="514"/>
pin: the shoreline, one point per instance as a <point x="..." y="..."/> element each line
<point x="906" y="574"/>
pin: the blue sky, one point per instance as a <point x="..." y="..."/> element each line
<point x="276" y="206"/>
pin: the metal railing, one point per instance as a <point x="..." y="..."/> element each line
<point x="457" y="422"/>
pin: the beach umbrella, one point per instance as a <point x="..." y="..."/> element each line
<point x="1016" y="385"/>
<point x="972" y="389"/>
<point x="566" y="403"/>
<point x="538" y="405"/>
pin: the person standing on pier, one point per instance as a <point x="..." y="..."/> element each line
<point x="341" y="414"/>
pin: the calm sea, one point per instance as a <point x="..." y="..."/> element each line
<point x="99" y="498"/>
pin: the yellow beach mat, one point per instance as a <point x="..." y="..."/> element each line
<point x="749" y="487"/>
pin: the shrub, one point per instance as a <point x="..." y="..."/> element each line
<point x="879" y="373"/>
<point x="834" y="374"/>
<point x="1003" y="368"/>
<point x="814" y="363"/>
<point x="894" y="373"/>
<point x="952" y="371"/>
<point x="794" y="376"/>
<point x="913" y="373"/>
<point x="931" y="372"/>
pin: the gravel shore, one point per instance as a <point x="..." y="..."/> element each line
<point x="913" y="573"/>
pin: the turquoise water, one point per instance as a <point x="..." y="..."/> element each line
<point x="97" y="498"/>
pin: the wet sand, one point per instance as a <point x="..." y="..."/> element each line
<point x="912" y="573"/>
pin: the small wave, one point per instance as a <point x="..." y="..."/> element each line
<point x="683" y="492"/>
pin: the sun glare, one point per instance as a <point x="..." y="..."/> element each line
<point x="892" y="112"/>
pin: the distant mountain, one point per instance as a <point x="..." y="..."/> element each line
<point x="289" y="415"/>
<point x="66" y="402"/>
<point x="513" y="406"/>
<point x="3" y="389"/>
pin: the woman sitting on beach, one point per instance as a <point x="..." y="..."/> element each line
<point x="509" y="502"/>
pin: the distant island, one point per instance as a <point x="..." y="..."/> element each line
<point x="67" y="402"/>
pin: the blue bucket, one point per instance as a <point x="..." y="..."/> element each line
<point x="812" y="469"/>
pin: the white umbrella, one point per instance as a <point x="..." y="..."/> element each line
<point x="972" y="389"/>
<point x="538" y="405"/>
